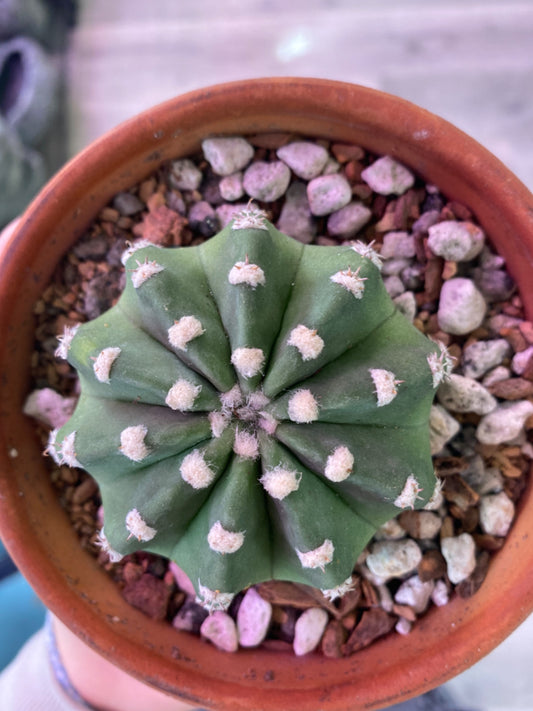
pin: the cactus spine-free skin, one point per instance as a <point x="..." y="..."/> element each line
<point x="252" y="408"/>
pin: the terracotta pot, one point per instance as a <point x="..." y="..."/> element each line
<point x="36" y="530"/>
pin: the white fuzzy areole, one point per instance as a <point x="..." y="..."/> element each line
<point x="213" y="600"/>
<point x="339" y="464"/>
<point x="246" y="273"/>
<point x="65" y="341"/>
<point x="368" y="252"/>
<point x="232" y="398"/>
<point x="257" y="400"/>
<point x="386" y="385"/>
<point x="440" y="364"/>
<point x="267" y="422"/>
<point x="409" y="494"/>
<point x="104" y="361"/>
<point x="303" y="407"/>
<point x="318" y="557"/>
<point x="184" y="331"/>
<point x="51" y="446"/>
<point x="218" y="421"/>
<point x="246" y="445"/>
<point x="144" y="271"/>
<point x="138" y="527"/>
<point x="307" y="341"/>
<point x="182" y="395"/>
<point x="223" y="541"/>
<point x="67" y="451"/>
<point x="338" y="591"/>
<point x="196" y="471"/>
<point x="132" y="444"/>
<point x="101" y="541"/>
<point x="351" y="281"/>
<point x="135" y="247"/>
<point x="279" y="482"/>
<point x="248" y="361"/>
<point x="250" y="217"/>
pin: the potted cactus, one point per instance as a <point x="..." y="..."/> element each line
<point x="243" y="411"/>
<point x="287" y="354"/>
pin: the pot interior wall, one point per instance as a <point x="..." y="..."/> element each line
<point x="36" y="529"/>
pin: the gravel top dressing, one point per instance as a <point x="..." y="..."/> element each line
<point x="442" y="274"/>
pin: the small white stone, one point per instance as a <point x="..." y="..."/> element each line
<point x="388" y="177"/>
<point x="351" y="281"/>
<point x="406" y="304"/>
<point x="461" y="394"/>
<point x="303" y="408"/>
<point x="394" y="286"/>
<point x="182" y="395"/>
<point x="398" y="245"/>
<point x="132" y="443"/>
<point x="304" y="158"/>
<point x="49" y="407"/>
<point x="347" y="221"/>
<point x="248" y="361"/>
<point x="253" y="619"/>
<point x="227" y="212"/>
<point x="220" y="629"/>
<point x="386" y="385"/>
<point x="521" y="359"/>
<point x="196" y="471"/>
<point x="403" y="626"/>
<point x="308" y="630"/>
<point x="231" y="187"/>
<point x="138" y="527"/>
<point x="496" y="513"/>
<point x="415" y="593"/>
<point x="481" y="356"/>
<point x="504" y="423"/>
<point x="460" y="555"/>
<point x="246" y="445"/>
<point x="280" y="482"/>
<point x="440" y="596"/>
<point x="328" y="193"/>
<point x="390" y="531"/>
<point x="67" y="451"/>
<point x="227" y="155"/>
<point x="246" y="273"/>
<point x="184" y="331"/>
<point x="184" y="174"/>
<point x="307" y="341"/>
<point x="501" y="372"/>
<point x="393" y="559"/>
<point x="442" y="428"/>
<point x="65" y="341"/>
<point x="318" y="557"/>
<point x="409" y="494"/>
<point x="103" y="362"/>
<point x="295" y="218"/>
<point x="213" y="600"/>
<point x="339" y="464"/>
<point x="461" y="307"/>
<point x="456" y="241"/>
<point x="223" y="541"/>
<point x="266" y="181"/>
<point x="144" y="271"/>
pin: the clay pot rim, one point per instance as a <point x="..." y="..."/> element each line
<point x="442" y="154"/>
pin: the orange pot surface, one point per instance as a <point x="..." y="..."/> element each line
<point x="36" y="530"/>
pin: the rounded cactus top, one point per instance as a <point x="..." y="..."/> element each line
<point x="252" y="408"/>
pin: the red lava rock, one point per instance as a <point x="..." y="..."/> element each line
<point x="344" y="152"/>
<point x="432" y="566"/>
<point x="512" y="389"/>
<point x="148" y="594"/>
<point x="373" y="624"/>
<point x="471" y="585"/>
<point x="333" y="639"/>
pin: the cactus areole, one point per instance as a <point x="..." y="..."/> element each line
<point x="252" y="408"/>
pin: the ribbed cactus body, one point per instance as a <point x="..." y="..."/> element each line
<point x="252" y="408"/>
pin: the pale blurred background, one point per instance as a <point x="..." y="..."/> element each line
<point x="470" y="61"/>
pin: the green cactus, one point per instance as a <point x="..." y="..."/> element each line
<point x="252" y="408"/>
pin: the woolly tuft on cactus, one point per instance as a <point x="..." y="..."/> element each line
<point x="252" y="408"/>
